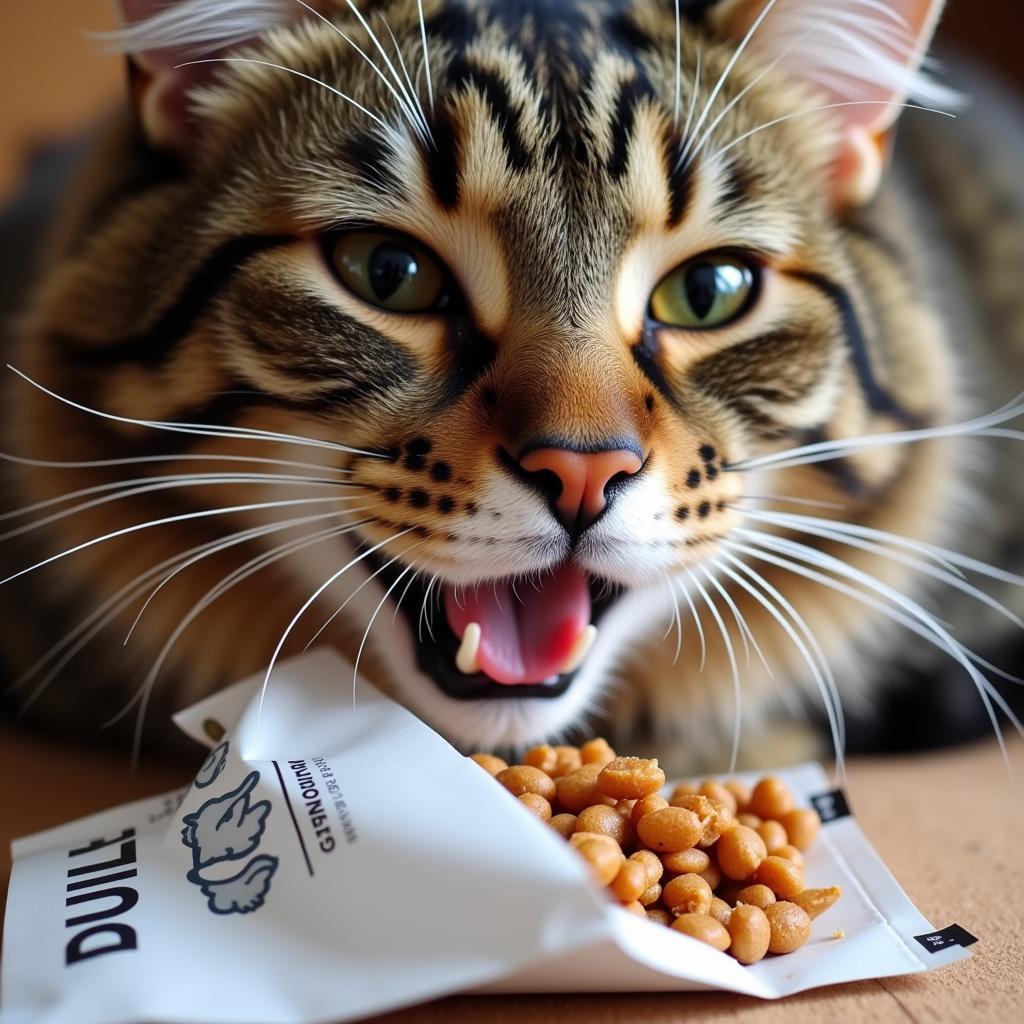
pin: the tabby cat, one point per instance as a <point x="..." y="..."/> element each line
<point x="546" y="357"/>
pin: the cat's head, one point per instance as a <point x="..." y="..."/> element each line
<point x="534" y="276"/>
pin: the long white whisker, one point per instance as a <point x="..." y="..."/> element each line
<point x="679" y="68"/>
<point x="200" y="429"/>
<point x="745" y="632"/>
<point x="697" y="623"/>
<point x="693" y="96"/>
<point x="788" y="500"/>
<point x="816" y="662"/>
<point x="181" y="457"/>
<point x="426" y="54"/>
<point x="309" y="601"/>
<point x="184" y="517"/>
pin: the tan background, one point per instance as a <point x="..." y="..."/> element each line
<point x="950" y="826"/>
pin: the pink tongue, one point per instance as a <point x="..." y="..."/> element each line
<point x="529" y="641"/>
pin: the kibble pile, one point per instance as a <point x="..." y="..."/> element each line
<point x="722" y="862"/>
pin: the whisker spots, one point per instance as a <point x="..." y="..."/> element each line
<point x="693" y="478"/>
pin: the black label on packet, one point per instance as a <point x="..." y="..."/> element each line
<point x="831" y="806"/>
<point x="954" y="935"/>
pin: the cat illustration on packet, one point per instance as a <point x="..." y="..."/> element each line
<point x="224" y="829"/>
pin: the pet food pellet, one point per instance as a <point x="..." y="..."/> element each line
<point x="521" y="778"/>
<point x="629" y="778"/>
<point x="756" y="895"/>
<point x="537" y="804"/>
<point x="720" y="910"/>
<point x="578" y="790"/>
<point x="683" y="789"/>
<point x="670" y="830"/>
<point x="740" y="852"/>
<point x="659" y="916"/>
<point x="650" y="895"/>
<point x="652" y="865"/>
<point x="686" y="862"/>
<point x="542" y="757"/>
<point x="597" y="751"/>
<point x="563" y="824"/>
<point x="578" y="838"/>
<point x="790" y="852"/>
<point x="720" y="793"/>
<point x="782" y="876"/>
<point x="635" y="907"/>
<point x="773" y="834"/>
<point x="790" y="927"/>
<point x="567" y="760"/>
<point x="490" y="764"/>
<point x="646" y="804"/>
<point x="741" y="791"/>
<point x="704" y="928"/>
<point x="771" y="798"/>
<point x="687" y="894"/>
<point x="606" y="820"/>
<point x="750" y="820"/>
<point x="750" y="932"/>
<point x="712" y="875"/>
<point x="801" y="825"/>
<point x="603" y="860"/>
<point x="630" y="882"/>
<point x="816" y="901"/>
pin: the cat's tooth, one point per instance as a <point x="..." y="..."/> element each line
<point x="466" y="660"/>
<point x="580" y="649"/>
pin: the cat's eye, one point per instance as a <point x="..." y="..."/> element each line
<point x="710" y="291"/>
<point x="389" y="271"/>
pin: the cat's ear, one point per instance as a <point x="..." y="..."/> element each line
<point x="864" y="54"/>
<point x="159" y="36"/>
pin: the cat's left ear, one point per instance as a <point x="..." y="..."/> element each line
<point x="865" y="54"/>
<point x="161" y="37"/>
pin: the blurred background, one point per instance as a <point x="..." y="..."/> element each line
<point x="53" y="78"/>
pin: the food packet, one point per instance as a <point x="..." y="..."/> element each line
<point x="334" y="860"/>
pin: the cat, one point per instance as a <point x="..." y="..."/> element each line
<point x="537" y="355"/>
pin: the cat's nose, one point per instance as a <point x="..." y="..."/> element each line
<point x="584" y="478"/>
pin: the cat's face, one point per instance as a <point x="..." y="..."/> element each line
<point x="550" y="299"/>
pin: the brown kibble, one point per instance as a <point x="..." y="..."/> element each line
<point x="740" y="852"/>
<point x="627" y="778"/>
<point x="773" y="834"/>
<point x="542" y="757"/>
<point x="670" y="830"/>
<point x="606" y="820"/>
<point x="659" y="916"/>
<point x="712" y="875"/>
<point x="704" y="928"/>
<point x="578" y="838"/>
<point x="652" y="865"/>
<point x="630" y="882"/>
<point x="564" y="824"/>
<point x="756" y="895"/>
<point x="782" y="876"/>
<point x="646" y="804"/>
<point x="801" y="826"/>
<point x="771" y="798"/>
<point x="750" y="820"/>
<point x="790" y="853"/>
<point x="720" y="910"/>
<point x="597" y="751"/>
<point x="537" y="804"/>
<point x="816" y="901"/>
<point x="686" y="862"/>
<point x="741" y="791"/>
<point x="750" y="932"/>
<point x="489" y="762"/>
<point x="521" y="778"/>
<point x="635" y="907"/>
<point x="578" y="790"/>
<point x="567" y="760"/>
<point x="650" y="895"/>
<point x="715" y="817"/>
<point x="603" y="860"/>
<point x="683" y="789"/>
<point x="790" y="927"/>
<point x="719" y="793"/>
<point x="687" y="894"/>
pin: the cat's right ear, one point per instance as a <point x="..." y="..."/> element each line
<point x="160" y="37"/>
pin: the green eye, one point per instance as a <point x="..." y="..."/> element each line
<point x="709" y="291"/>
<point x="389" y="271"/>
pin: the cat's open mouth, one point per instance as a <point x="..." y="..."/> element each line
<point x="502" y="638"/>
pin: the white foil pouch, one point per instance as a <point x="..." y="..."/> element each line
<point x="331" y="862"/>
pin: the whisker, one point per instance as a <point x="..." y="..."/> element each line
<point x="745" y="631"/>
<point x="426" y="54"/>
<point x="697" y="623"/>
<point x="789" y="500"/>
<point x="200" y="429"/>
<point x="423" y="609"/>
<point x="693" y="96"/>
<point x="679" y="68"/>
<point x="181" y="457"/>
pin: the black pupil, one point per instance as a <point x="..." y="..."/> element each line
<point x="389" y="266"/>
<point x="702" y="283"/>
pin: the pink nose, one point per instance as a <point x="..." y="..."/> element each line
<point x="584" y="477"/>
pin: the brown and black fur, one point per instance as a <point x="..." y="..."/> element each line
<point x="194" y="295"/>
